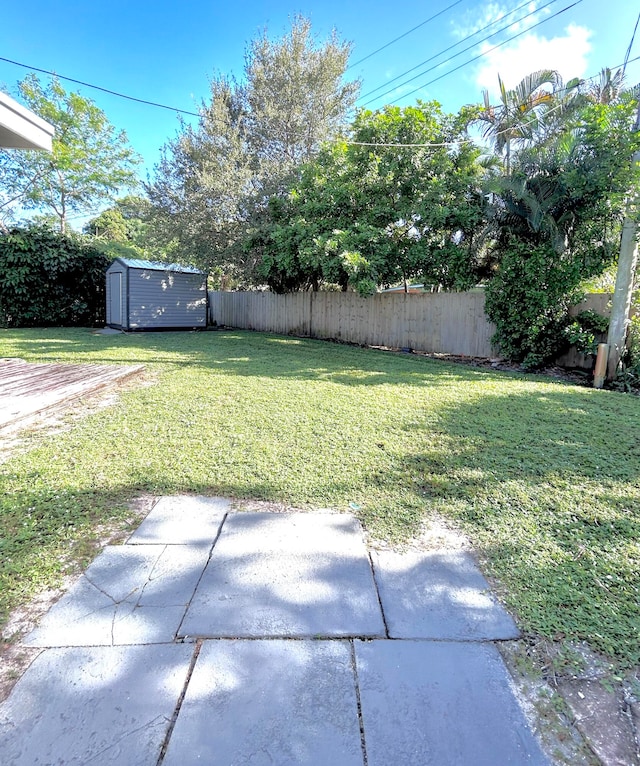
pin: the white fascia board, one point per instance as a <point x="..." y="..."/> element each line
<point x="22" y="129"/>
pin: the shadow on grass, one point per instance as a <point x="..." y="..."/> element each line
<point x="240" y="353"/>
<point x="546" y="485"/>
<point x="544" y="477"/>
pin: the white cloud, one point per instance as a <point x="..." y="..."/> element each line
<point x="566" y="53"/>
<point x="498" y="16"/>
<point x="469" y="23"/>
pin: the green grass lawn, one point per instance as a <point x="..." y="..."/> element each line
<point x="542" y="476"/>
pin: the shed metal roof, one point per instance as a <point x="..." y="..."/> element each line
<point x="139" y="263"/>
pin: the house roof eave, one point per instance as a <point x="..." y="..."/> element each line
<point x="21" y="128"/>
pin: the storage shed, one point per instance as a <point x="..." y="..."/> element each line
<point x="144" y="295"/>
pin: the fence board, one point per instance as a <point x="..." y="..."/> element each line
<point x="451" y="323"/>
<point x="447" y="323"/>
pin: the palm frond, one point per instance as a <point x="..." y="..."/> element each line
<point x="527" y="87"/>
<point x="609" y="86"/>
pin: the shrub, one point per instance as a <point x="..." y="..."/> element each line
<point x="586" y="331"/>
<point x="628" y="378"/>
<point x="528" y="300"/>
<point x="50" y="279"/>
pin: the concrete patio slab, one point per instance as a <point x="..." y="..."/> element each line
<point x="445" y="704"/>
<point x="279" y="593"/>
<point x="105" y="705"/>
<point x="129" y="594"/>
<point x="182" y="520"/>
<point x="438" y="595"/>
<point x="291" y="703"/>
<point x="286" y="575"/>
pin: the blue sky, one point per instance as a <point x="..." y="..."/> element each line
<point x="167" y="51"/>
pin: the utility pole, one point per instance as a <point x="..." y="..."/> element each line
<point x="627" y="262"/>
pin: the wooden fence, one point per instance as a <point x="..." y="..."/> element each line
<point x="450" y="323"/>
<point x="447" y="323"/>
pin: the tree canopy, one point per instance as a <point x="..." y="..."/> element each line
<point x="127" y="220"/>
<point x="90" y="162"/>
<point x="555" y="222"/>
<point x="214" y="178"/>
<point x="408" y="197"/>
<point x="294" y="97"/>
<point x="399" y="201"/>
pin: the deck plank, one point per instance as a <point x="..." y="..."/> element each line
<point x="28" y="389"/>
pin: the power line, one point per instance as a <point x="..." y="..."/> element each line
<point x="455" y="45"/>
<point x="404" y="34"/>
<point x="98" y="87"/>
<point x="464" y="50"/>
<point x="628" y="53"/>
<point x="470" y="140"/>
<point x="410" y="146"/>
<point x="495" y="47"/>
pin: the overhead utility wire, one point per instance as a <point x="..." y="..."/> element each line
<point x="195" y="114"/>
<point x="470" y="140"/>
<point x="455" y="45"/>
<point x="97" y="87"/>
<point x="628" y="53"/>
<point x="404" y="34"/>
<point x="464" y="50"/>
<point x="410" y="146"/>
<point x="495" y="47"/>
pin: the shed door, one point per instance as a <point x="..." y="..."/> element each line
<point x="115" y="298"/>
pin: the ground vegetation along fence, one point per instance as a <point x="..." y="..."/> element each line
<point x="447" y="323"/>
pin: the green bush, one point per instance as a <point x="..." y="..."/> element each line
<point x="50" y="279"/>
<point x="628" y="378"/>
<point x="586" y="331"/>
<point x="528" y="300"/>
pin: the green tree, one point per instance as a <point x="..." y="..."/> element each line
<point x="214" y="179"/>
<point x="608" y="87"/>
<point x="90" y="163"/>
<point x="520" y="116"/>
<point x="294" y="98"/>
<point x="110" y="224"/>
<point x="400" y="201"/>
<point x="126" y="221"/>
<point x="204" y="185"/>
<point x="556" y="222"/>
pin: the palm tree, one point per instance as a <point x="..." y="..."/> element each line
<point x="534" y="203"/>
<point x="607" y="88"/>
<point x="521" y="110"/>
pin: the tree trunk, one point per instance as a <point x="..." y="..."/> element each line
<point x="63" y="202"/>
<point x="621" y="303"/>
<point x="623" y="292"/>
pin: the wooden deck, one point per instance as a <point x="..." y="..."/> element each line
<point x="28" y="389"/>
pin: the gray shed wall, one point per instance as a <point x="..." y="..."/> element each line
<point x="165" y="299"/>
<point x="146" y="299"/>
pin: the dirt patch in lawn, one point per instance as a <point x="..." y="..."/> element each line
<point x="584" y="712"/>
